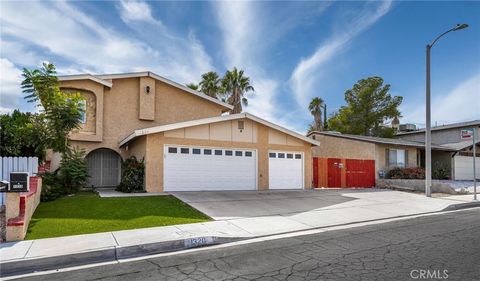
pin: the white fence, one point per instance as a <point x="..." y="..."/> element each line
<point x="463" y="167"/>
<point x="18" y="164"/>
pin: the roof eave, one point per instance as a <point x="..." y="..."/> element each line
<point x="217" y="119"/>
<point x="167" y="81"/>
<point x="85" y="77"/>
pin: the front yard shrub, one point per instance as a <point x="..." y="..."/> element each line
<point x="440" y="172"/>
<point x="133" y="172"/>
<point x="51" y="187"/>
<point x="73" y="171"/>
<point x="68" y="178"/>
<point x="406" y="173"/>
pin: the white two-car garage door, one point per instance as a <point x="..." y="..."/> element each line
<point x="285" y="170"/>
<point x="209" y="168"/>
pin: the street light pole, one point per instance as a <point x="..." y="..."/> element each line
<point x="428" y="133"/>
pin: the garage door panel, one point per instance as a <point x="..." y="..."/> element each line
<point x="195" y="172"/>
<point x="285" y="172"/>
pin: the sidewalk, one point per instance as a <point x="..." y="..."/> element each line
<point x="52" y="253"/>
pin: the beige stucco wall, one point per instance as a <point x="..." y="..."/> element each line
<point x="137" y="148"/>
<point x="89" y="126"/>
<point x="93" y="92"/>
<point x="333" y="147"/>
<point x="220" y="131"/>
<point x="118" y="110"/>
<point x="277" y="137"/>
<point x="380" y="156"/>
<point x="18" y="232"/>
<point x="155" y="145"/>
<point x="146" y="100"/>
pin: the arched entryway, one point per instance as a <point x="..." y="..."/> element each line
<point x="104" y="168"/>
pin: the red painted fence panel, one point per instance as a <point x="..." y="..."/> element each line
<point x="315" y="172"/>
<point x="360" y="173"/>
<point x="334" y="172"/>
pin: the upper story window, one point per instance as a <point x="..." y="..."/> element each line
<point x="83" y="107"/>
<point x="396" y="158"/>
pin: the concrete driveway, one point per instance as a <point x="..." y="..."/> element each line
<point x="273" y="212"/>
<point x="226" y="205"/>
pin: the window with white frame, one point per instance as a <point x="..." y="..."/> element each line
<point x="83" y="114"/>
<point x="396" y="158"/>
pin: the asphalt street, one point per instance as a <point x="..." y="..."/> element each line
<point x="440" y="247"/>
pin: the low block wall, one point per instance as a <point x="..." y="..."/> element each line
<point x="415" y="185"/>
<point x="20" y="209"/>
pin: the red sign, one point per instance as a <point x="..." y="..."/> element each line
<point x="466" y="134"/>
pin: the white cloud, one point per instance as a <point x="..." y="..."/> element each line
<point x="244" y="42"/>
<point x="307" y="73"/>
<point x="10" y="89"/>
<point x="136" y="11"/>
<point x="65" y="33"/>
<point x="239" y="23"/>
<point x="460" y="104"/>
<point x="19" y="53"/>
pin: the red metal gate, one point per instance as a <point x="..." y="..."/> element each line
<point x="334" y="172"/>
<point x="360" y="173"/>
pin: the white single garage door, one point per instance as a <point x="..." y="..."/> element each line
<point x="209" y="168"/>
<point x="285" y="170"/>
<point x="463" y="167"/>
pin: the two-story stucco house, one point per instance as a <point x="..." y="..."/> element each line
<point x="187" y="139"/>
<point x="460" y="161"/>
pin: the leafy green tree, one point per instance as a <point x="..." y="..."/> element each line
<point x="192" y="86"/>
<point x="61" y="111"/>
<point x="325" y="120"/>
<point x="369" y="106"/>
<point x="316" y="108"/>
<point x="211" y="84"/>
<point x="236" y="85"/>
<point x="22" y="134"/>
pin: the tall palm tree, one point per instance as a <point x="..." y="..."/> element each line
<point x="211" y="84"/>
<point x="236" y="85"/>
<point x="316" y="107"/>
<point x="192" y="86"/>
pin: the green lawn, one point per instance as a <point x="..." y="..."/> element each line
<point x="86" y="212"/>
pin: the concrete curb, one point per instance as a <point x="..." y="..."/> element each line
<point x="107" y="255"/>
<point x="118" y="253"/>
<point x="461" y="206"/>
<point x="50" y="263"/>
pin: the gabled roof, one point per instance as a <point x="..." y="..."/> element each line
<point x="85" y="77"/>
<point x="102" y="79"/>
<point x="166" y="81"/>
<point x="379" y="140"/>
<point x="210" y="120"/>
<point x="443" y="127"/>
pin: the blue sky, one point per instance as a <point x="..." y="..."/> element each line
<point x="292" y="51"/>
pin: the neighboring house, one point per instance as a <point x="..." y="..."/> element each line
<point x="460" y="162"/>
<point x="345" y="160"/>
<point x="186" y="142"/>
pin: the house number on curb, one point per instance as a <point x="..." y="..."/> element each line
<point x="197" y="242"/>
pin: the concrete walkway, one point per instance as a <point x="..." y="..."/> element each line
<point x="357" y="206"/>
<point x="111" y="192"/>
